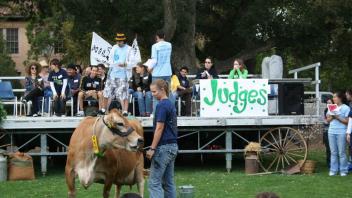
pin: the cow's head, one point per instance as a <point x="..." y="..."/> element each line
<point x="119" y="133"/>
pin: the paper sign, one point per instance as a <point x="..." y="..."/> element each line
<point x="100" y="50"/>
<point x="233" y="98"/>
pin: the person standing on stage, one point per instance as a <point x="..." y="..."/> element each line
<point x="117" y="82"/>
<point x="161" y="58"/>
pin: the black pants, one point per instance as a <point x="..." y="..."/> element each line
<point x="59" y="105"/>
<point x="33" y="97"/>
<point x="186" y="95"/>
<point x="327" y="147"/>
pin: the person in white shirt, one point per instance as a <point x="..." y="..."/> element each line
<point x="161" y="56"/>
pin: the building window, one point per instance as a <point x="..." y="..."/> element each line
<point x="12" y="40"/>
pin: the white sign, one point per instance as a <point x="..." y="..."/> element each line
<point x="134" y="55"/>
<point x="100" y="50"/>
<point x="233" y="98"/>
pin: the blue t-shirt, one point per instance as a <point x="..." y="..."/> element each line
<point x="161" y="52"/>
<point x="118" y="55"/>
<point x="336" y="127"/>
<point x="58" y="79"/>
<point x="166" y="113"/>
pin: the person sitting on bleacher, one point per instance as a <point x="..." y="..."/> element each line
<point x="58" y="83"/>
<point x="140" y="84"/>
<point x="184" y="90"/>
<point x="34" y="88"/>
<point x="90" y="87"/>
<point x="239" y="70"/>
<point x="209" y="71"/>
<point x="102" y="74"/>
<point x="74" y="80"/>
<point x="44" y="73"/>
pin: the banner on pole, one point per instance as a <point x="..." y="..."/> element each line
<point x="100" y="50"/>
<point x="233" y="98"/>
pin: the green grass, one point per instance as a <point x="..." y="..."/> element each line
<point x="209" y="180"/>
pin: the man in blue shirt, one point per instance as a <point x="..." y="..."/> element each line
<point x="117" y="83"/>
<point x="161" y="55"/>
<point x="73" y="82"/>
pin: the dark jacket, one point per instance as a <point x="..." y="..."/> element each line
<point x="184" y="82"/>
<point x="141" y="81"/>
<point x="31" y="84"/>
<point x="212" y="71"/>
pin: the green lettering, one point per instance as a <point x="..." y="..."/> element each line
<point x="214" y="87"/>
<point x="252" y="95"/>
<point x="243" y="98"/>
<point x="233" y="97"/>
<point x="226" y="94"/>
<point x="263" y="94"/>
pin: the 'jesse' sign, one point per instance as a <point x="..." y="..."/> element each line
<point x="231" y="98"/>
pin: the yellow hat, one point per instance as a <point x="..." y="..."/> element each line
<point x="120" y="37"/>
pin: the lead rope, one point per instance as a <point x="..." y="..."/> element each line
<point x="96" y="150"/>
<point x="95" y="141"/>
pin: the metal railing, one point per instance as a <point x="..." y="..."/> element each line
<point x="316" y="82"/>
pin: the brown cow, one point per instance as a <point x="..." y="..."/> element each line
<point x="122" y="163"/>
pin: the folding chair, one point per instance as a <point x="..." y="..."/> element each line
<point x="7" y="97"/>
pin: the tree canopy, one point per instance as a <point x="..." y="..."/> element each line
<point x="301" y="31"/>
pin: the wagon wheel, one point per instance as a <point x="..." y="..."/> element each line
<point x="282" y="147"/>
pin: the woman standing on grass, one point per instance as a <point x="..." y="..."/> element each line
<point x="338" y="120"/>
<point x="163" y="150"/>
<point x="239" y="70"/>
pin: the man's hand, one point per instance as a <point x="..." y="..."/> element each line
<point x="63" y="96"/>
<point x="54" y="96"/>
<point x="150" y="154"/>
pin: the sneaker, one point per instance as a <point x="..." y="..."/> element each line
<point x="63" y="115"/>
<point x="35" y="115"/>
<point x="45" y="114"/>
<point x="80" y="114"/>
<point x="343" y="174"/>
<point x="332" y="173"/>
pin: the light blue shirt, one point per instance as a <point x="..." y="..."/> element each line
<point x="118" y="55"/>
<point x="336" y="127"/>
<point x="161" y="52"/>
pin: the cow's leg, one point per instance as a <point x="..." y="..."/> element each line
<point x="107" y="188"/>
<point x="117" y="191"/>
<point x="70" y="181"/>
<point x="140" y="186"/>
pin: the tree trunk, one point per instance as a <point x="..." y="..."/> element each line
<point x="183" y="42"/>
<point x="170" y="18"/>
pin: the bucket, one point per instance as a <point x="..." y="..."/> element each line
<point x="251" y="164"/>
<point x="3" y="168"/>
<point x="308" y="166"/>
<point x="186" y="191"/>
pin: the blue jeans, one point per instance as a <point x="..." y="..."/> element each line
<point x="144" y="101"/>
<point x="167" y="79"/>
<point x="338" y="162"/>
<point x="47" y="94"/>
<point x="161" y="180"/>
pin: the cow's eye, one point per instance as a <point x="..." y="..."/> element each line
<point x="119" y="124"/>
